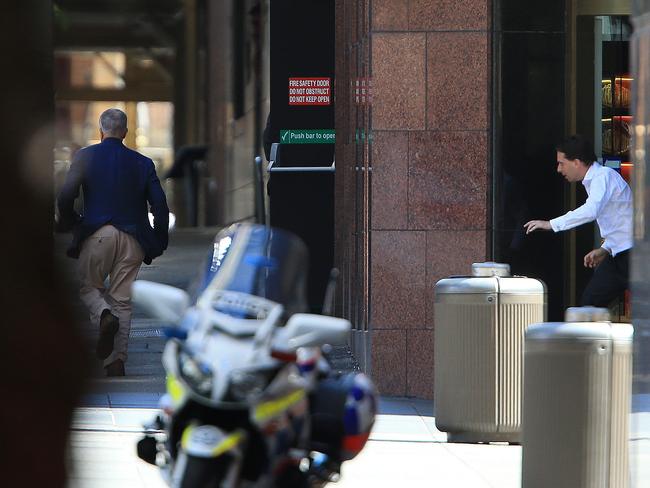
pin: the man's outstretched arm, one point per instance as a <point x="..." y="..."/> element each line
<point x="533" y="225"/>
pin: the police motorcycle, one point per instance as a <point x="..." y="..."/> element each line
<point x="251" y="400"/>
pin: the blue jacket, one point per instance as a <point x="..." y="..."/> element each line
<point x="119" y="185"/>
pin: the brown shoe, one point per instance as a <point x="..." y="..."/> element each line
<point x="108" y="326"/>
<point x="116" y="368"/>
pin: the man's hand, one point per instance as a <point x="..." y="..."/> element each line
<point x="537" y="225"/>
<point x="595" y="257"/>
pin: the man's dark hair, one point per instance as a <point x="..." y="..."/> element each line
<point x="577" y="147"/>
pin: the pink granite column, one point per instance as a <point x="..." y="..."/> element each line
<point x="429" y="154"/>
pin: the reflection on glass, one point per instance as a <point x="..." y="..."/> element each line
<point x="616" y="91"/>
<point x="77" y="127"/>
<point x="79" y="69"/>
<point x="154" y="132"/>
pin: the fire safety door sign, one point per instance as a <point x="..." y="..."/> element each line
<point x="310" y="91"/>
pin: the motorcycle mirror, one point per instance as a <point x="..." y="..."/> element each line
<point x="163" y="302"/>
<point x="310" y="330"/>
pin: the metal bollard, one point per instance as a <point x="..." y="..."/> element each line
<point x="479" y="331"/>
<point x="576" y="402"/>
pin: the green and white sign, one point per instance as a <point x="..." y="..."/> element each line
<point x="307" y="136"/>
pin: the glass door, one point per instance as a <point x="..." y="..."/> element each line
<point x="615" y="127"/>
<point x="603" y="88"/>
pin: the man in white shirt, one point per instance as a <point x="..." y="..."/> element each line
<point x="609" y="203"/>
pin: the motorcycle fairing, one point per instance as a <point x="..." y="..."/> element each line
<point x="270" y="409"/>
<point x="175" y="389"/>
<point x="238" y="314"/>
<point x="359" y="416"/>
<point x="260" y="261"/>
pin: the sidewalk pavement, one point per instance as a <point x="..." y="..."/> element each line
<point x="405" y="448"/>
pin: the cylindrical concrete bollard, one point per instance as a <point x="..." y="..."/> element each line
<point x="576" y="402"/>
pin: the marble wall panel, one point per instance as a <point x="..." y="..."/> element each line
<point x="398" y="279"/>
<point x="390" y="15"/>
<point x="398" y="78"/>
<point x="448" y="180"/>
<point x="449" y="15"/>
<point x="457" y="80"/>
<point x="419" y="363"/>
<point x="389" y="180"/>
<point x="388" y="353"/>
<point x="451" y="253"/>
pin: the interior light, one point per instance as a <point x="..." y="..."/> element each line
<point x="142" y="141"/>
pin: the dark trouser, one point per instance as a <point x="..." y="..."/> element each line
<point x="610" y="279"/>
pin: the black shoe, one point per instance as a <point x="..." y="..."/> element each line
<point x="116" y="368"/>
<point x="108" y="326"/>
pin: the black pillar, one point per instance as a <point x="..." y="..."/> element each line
<point x="529" y="119"/>
<point x="40" y="349"/>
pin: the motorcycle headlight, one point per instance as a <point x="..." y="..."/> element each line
<point x="197" y="375"/>
<point x="246" y="384"/>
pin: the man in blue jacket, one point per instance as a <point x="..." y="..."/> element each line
<point x="113" y="236"/>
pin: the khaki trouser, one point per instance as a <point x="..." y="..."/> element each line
<point x="117" y="255"/>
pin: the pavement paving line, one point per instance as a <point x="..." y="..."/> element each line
<point x="412" y="441"/>
<point x="116" y="431"/>
<point x="83" y="424"/>
<point x="145" y="378"/>
<point x="123" y="430"/>
<point x="91" y="335"/>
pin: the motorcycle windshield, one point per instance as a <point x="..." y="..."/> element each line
<point x="261" y="261"/>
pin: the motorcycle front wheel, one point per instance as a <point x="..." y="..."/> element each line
<point x="205" y="472"/>
<point x="292" y="477"/>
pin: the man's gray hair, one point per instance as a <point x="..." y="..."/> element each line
<point x="112" y="122"/>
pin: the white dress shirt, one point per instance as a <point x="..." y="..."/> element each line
<point x="609" y="203"/>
